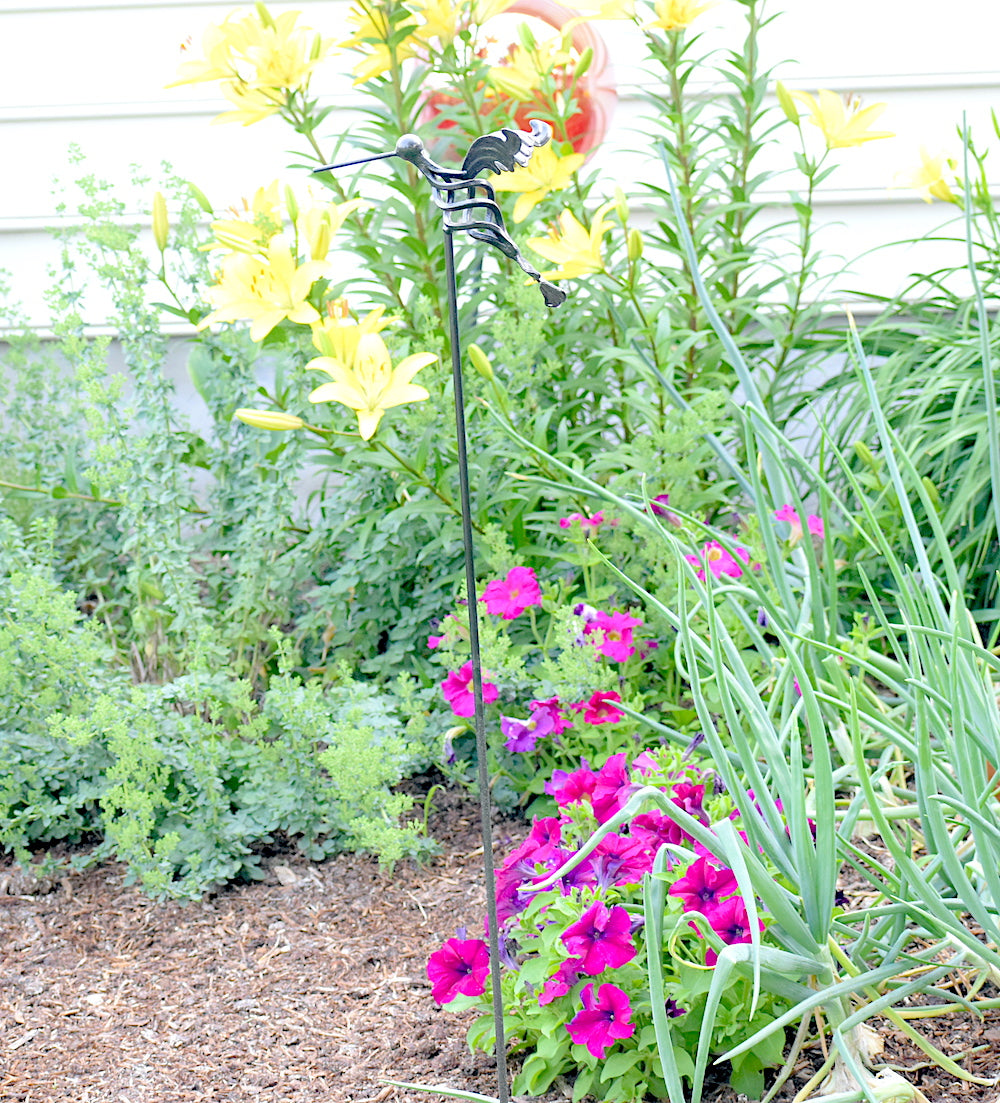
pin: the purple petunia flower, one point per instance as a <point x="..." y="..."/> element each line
<point x="522" y="735"/>
<point x="600" y="938"/>
<point x="605" y="1018"/>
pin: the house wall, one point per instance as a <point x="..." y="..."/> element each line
<point x="93" y="74"/>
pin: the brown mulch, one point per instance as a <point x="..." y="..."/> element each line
<point x="309" y="985"/>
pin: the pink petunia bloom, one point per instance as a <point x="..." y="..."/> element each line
<point x="588" y="524"/>
<point x="600" y="938"/>
<point x="731" y="923"/>
<point x="571" y="788"/>
<point x="616" y="634"/>
<point x="814" y="523"/>
<point x="599" y="708"/>
<point x="621" y="860"/>
<point x="560" y="982"/>
<point x="435" y="641"/>
<point x="457" y="690"/>
<point x="653" y="829"/>
<point x="720" y="562"/>
<point x="459" y="968"/>
<point x="509" y="597"/>
<point x="613" y="788"/>
<point x="703" y="886"/>
<point x="542" y="841"/>
<point x="604" y="1020"/>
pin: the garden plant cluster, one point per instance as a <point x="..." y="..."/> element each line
<point x="719" y="653"/>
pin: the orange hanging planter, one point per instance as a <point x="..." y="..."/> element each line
<point x="595" y="92"/>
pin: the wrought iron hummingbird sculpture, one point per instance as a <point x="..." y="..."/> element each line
<point x="468" y="205"/>
<point x="477" y="213"/>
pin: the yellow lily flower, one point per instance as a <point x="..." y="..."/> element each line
<point x="259" y="59"/>
<point x="252" y="104"/>
<point x="544" y="173"/>
<point x="371" y="38"/>
<point x="843" y="123"/>
<point x="929" y="179"/>
<point x="337" y="336"/>
<point x="526" y="70"/>
<point x="256" y="222"/>
<point x="370" y="385"/>
<point x="318" y="224"/>
<point x="675" y="15"/>
<point x="573" y="247"/>
<point x="441" y="20"/>
<point x="263" y="289"/>
<point x="481" y="10"/>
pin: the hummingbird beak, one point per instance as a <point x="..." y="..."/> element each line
<point x="359" y="161"/>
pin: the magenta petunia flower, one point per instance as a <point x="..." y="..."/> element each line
<point x="599" y="708"/>
<point x="509" y="597"/>
<point x="459" y="968"/>
<point x="720" y="562"/>
<point x="814" y="523"/>
<point x="731" y="923"/>
<point x="560" y="982"/>
<point x="457" y="690"/>
<point x="615" y="631"/>
<point x="621" y="860"/>
<point x="588" y="524"/>
<point x="600" y="938"/>
<point x="604" y="1020"/>
<point x="571" y="788"/>
<point x="703" y="886"/>
<point x="613" y="788"/>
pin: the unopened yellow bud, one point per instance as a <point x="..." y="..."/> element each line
<point x="200" y="198"/>
<point x="786" y="103"/>
<point x="269" y="419"/>
<point x="161" y="226"/>
<point x="291" y="203"/>
<point x="584" y="63"/>
<point x="621" y="205"/>
<point x="634" y="245"/>
<point x="864" y="453"/>
<point x="481" y="362"/>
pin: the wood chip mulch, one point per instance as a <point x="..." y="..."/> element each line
<point x="310" y="985"/>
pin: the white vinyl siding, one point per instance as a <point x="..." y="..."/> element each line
<point x="93" y="74"/>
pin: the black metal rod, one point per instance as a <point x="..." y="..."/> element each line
<point x="485" y="804"/>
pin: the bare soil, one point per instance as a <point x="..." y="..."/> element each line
<point x="310" y="985"/>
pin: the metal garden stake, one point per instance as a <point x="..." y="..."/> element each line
<point x="468" y="205"/>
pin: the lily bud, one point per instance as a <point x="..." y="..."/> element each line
<point x="621" y="205"/>
<point x="864" y="453"/>
<point x="634" y="245"/>
<point x="291" y="203"/>
<point x="161" y="226"/>
<point x="200" y="198"/>
<point x="480" y="361"/>
<point x="584" y="63"/>
<point x="269" y="419"/>
<point x="786" y="103"/>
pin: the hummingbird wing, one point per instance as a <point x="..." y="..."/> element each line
<point x="505" y="149"/>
